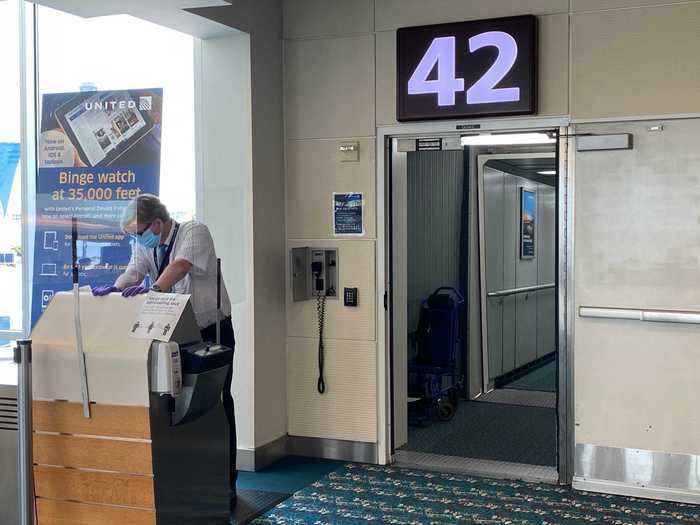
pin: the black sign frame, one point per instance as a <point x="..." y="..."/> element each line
<point x="413" y="43"/>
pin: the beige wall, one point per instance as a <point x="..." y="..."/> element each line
<point x="581" y="6"/>
<point x="329" y="87"/>
<point x="314" y="172"/>
<point x="314" y="18"/>
<point x="635" y="62"/>
<point x="347" y="411"/>
<point x="598" y="59"/>
<point x="329" y="96"/>
<point x="262" y="20"/>
<point x="392" y="14"/>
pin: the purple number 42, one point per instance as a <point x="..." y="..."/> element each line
<point x="442" y="52"/>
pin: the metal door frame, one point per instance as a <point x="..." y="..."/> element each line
<point x="565" y="246"/>
<point x="397" y="151"/>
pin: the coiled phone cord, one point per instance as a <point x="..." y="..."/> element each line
<point x="321" y="310"/>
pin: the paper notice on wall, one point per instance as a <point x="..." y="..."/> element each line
<point x="348" y="214"/>
<point x="159" y="316"/>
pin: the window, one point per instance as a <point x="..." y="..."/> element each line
<point x="81" y="54"/>
<point x="123" y="52"/>
<point x="125" y="57"/>
<point x="11" y="260"/>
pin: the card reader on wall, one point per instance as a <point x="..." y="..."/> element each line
<point x="350" y="298"/>
<point x="314" y="273"/>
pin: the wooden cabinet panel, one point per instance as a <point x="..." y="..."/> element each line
<point x="94" y="487"/>
<point x="106" y="420"/>
<point x="93" y="453"/>
<point x="51" y="512"/>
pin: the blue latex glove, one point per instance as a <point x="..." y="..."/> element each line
<point x="105" y="290"/>
<point x="131" y="291"/>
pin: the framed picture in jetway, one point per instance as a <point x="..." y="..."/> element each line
<point x="528" y="222"/>
<point x="469" y="69"/>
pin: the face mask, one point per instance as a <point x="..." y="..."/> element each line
<point x="148" y="239"/>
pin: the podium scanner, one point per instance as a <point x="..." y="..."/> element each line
<point x="154" y="449"/>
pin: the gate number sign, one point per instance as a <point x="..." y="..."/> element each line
<point x="470" y="69"/>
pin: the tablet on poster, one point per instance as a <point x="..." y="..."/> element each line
<point x="348" y="214"/>
<point x="103" y="125"/>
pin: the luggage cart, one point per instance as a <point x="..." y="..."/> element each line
<point x="434" y="384"/>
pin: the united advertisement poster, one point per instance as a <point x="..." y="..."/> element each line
<point x="97" y="151"/>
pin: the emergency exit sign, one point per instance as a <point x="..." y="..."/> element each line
<point x="469" y="69"/>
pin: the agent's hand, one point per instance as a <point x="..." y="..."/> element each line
<point x="104" y="290"/>
<point x="132" y="291"/>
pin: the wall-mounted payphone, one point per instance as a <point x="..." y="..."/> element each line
<point x="314" y="273"/>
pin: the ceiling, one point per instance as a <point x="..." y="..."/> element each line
<point x="528" y="168"/>
<point x="169" y="13"/>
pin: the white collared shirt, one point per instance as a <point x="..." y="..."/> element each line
<point x="195" y="245"/>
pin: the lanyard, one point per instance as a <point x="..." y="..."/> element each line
<point x="166" y="258"/>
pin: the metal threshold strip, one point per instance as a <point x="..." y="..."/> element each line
<point x="524" y="289"/>
<point x="483" y="468"/>
<point x="652" y="316"/>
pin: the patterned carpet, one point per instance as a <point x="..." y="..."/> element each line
<point x="358" y="494"/>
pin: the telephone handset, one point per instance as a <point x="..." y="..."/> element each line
<point x="317" y="271"/>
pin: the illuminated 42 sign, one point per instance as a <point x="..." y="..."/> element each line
<point x="470" y="69"/>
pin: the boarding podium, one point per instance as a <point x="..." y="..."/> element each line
<point x="154" y="450"/>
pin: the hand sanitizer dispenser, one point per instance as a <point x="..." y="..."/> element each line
<point x="166" y="369"/>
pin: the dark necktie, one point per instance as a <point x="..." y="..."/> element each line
<point x="161" y="254"/>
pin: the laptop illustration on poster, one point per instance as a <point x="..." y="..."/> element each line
<point x="49" y="269"/>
